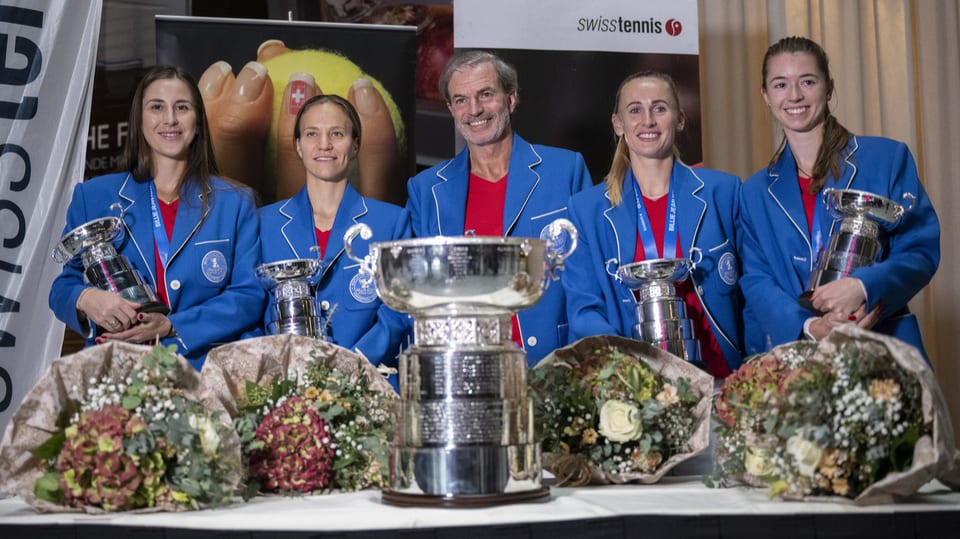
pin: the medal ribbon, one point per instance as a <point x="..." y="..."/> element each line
<point x="159" y="231"/>
<point x="643" y="224"/>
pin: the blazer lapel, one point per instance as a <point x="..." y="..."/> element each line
<point x="190" y="215"/>
<point x="622" y="220"/>
<point x="522" y="180"/>
<point x="849" y="171"/>
<point x="690" y="207"/>
<point x="352" y="207"/>
<point x="785" y="191"/>
<point x="450" y="195"/>
<point x="298" y="232"/>
<point x="138" y="222"/>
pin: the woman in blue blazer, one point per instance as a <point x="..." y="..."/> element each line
<point x="191" y="235"/>
<point x="327" y="137"/>
<point x="613" y="220"/>
<point x="785" y="224"/>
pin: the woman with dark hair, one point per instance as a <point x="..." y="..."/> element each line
<point x="785" y="224"/>
<point x="192" y="235"/>
<point x="654" y="206"/>
<point x="312" y="224"/>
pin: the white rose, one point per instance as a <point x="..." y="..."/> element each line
<point x="620" y="422"/>
<point x="757" y="462"/>
<point x="209" y="439"/>
<point x="805" y="453"/>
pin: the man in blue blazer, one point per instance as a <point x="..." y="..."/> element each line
<point x="500" y="184"/>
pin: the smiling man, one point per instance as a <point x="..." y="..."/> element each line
<point x="499" y="185"/>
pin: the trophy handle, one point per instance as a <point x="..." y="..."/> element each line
<point x="696" y="257"/>
<point x="557" y="248"/>
<point x="366" y="263"/>
<point x="911" y="200"/>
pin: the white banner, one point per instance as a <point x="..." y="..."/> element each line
<point x="47" y="56"/>
<point x="577" y="25"/>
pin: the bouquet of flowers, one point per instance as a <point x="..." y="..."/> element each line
<point x="119" y="427"/>
<point x="311" y="416"/>
<point x="611" y="409"/>
<point x="856" y="415"/>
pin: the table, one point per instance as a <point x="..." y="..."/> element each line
<point x="677" y="507"/>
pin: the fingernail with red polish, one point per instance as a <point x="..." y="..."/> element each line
<point x="139" y="316"/>
<point x="99" y="340"/>
<point x="852" y="317"/>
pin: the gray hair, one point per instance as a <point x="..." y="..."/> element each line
<point x="506" y="73"/>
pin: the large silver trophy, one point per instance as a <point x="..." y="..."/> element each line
<point x="465" y="427"/>
<point x="661" y="314"/>
<point x="293" y="285"/>
<point x="103" y="266"/>
<point x="865" y="219"/>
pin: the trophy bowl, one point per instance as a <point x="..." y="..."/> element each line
<point x="104" y="229"/>
<point x="464" y="274"/>
<point x="297" y="268"/>
<point x="843" y="203"/>
<point x="637" y="274"/>
<point x="104" y="267"/>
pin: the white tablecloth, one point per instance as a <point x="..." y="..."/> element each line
<point x="365" y="510"/>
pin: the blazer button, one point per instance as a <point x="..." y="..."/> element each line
<point x="700" y="290"/>
<point x="531" y="341"/>
<point x="174" y="285"/>
<point x="324" y="305"/>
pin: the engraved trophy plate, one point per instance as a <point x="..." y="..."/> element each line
<point x="662" y="315"/>
<point x="292" y="283"/>
<point x="103" y="266"/>
<point x="858" y="241"/>
<point x="465" y="430"/>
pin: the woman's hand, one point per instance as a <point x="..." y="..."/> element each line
<point x="843" y="296"/>
<point x="107" y="310"/>
<point x="150" y="327"/>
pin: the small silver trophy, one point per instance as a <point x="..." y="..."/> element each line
<point x="662" y="315"/>
<point x="857" y="242"/>
<point x="103" y="266"/>
<point x="465" y="435"/>
<point x="293" y="284"/>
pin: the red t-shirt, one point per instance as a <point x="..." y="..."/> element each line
<point x="484" y="217"/>
<point x="710" y="352"/>
<point x="809" y="201"/>
<point x="169" y="214"/>
<point x="323" y="238"/>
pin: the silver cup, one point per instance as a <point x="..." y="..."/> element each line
<point x="293" y="285"/>
<point x="661" y="314"/>
<point x="865" y="219"/>
<point x="103" y="266"/>
<point x="465" y="427"/>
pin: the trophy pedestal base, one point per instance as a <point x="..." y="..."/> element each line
<point x="466" y="501"/>
<point x="806" y="301"/>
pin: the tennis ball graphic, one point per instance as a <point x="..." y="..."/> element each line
<point x="334" y="75"/>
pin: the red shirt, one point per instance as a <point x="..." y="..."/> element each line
<point x="484" y="217"/>
<point x="809" y="201"/>
<point x="169" y="214"/>
<point x="323" y="238"/>
<point x="710" y="352"/>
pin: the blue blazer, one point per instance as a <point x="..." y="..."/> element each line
<point x="778" y="256"/>
<point x="208" y="307"/>
<point x="360" y="321"/>
<point x="598" y="304"/>
<point x="539" y="182"/>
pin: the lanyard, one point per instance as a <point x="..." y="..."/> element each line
<point x="159" y="231"/>
<point x="816" y="231"/>
<point x="643" y="224"/>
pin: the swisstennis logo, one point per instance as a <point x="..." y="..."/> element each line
<point x="672" y="27"/>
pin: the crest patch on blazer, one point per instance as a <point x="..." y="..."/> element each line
<point x="214" y="266"/>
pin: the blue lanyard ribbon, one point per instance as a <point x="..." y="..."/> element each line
<point x="816" y="231"/>
<point x="643" y="224"/>
<point x="159" y="230"/>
